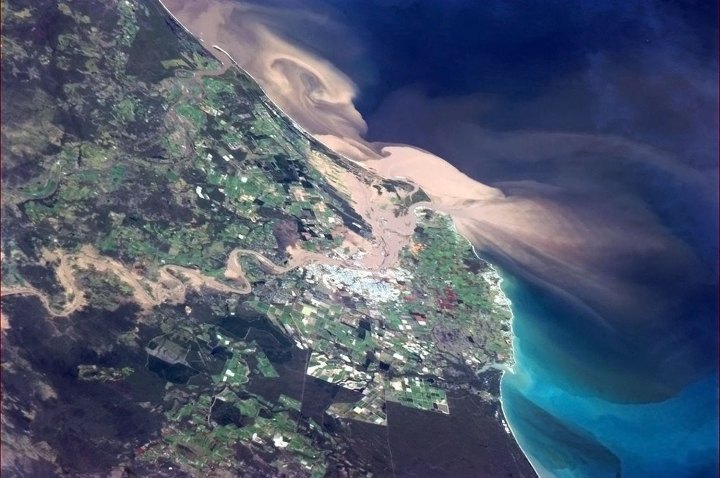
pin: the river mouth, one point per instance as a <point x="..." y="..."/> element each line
<point x="586" y="168"/>
<point x="598" y="208"/>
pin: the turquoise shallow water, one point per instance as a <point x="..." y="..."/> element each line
<point x="569" y="432"/>
<point x="630" y="85"/>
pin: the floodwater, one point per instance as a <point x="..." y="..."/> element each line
<point x="575" y="143"/>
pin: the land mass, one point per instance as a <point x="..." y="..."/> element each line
<point x="193" y="286"/>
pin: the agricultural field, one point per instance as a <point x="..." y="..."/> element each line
<point x="188" y="285"/>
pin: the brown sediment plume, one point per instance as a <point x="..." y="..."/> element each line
<point x="567" y="233"/>
<point x="306" y="87"/>
<point x="391" y="231"/>
<point x="577" y="254"/>
<point x="439" y="179"/>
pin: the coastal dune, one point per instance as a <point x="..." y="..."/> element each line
<point x="545" y="216"/>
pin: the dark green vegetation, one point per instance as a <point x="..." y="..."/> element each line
<point x="121" y="133"/>
<point x="112" y="137"/>
<point x="140" y="154"/>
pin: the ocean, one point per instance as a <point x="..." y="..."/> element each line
<point x="635" y="394"/>
<point x="598" y="121"/>
<point x="567" y="431"/>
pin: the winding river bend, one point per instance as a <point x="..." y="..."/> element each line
<point x="587" y="135"/>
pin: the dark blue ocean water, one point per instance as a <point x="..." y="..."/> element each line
<point x="639" y="397"/>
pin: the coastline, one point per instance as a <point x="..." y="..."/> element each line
<point x="511" y="369"/>
<point x="275" y="107"/>
<point x="505" y="422"/>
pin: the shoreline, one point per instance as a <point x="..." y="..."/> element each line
<point x="512" y="369"/>
<point x="504" y="421"/>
